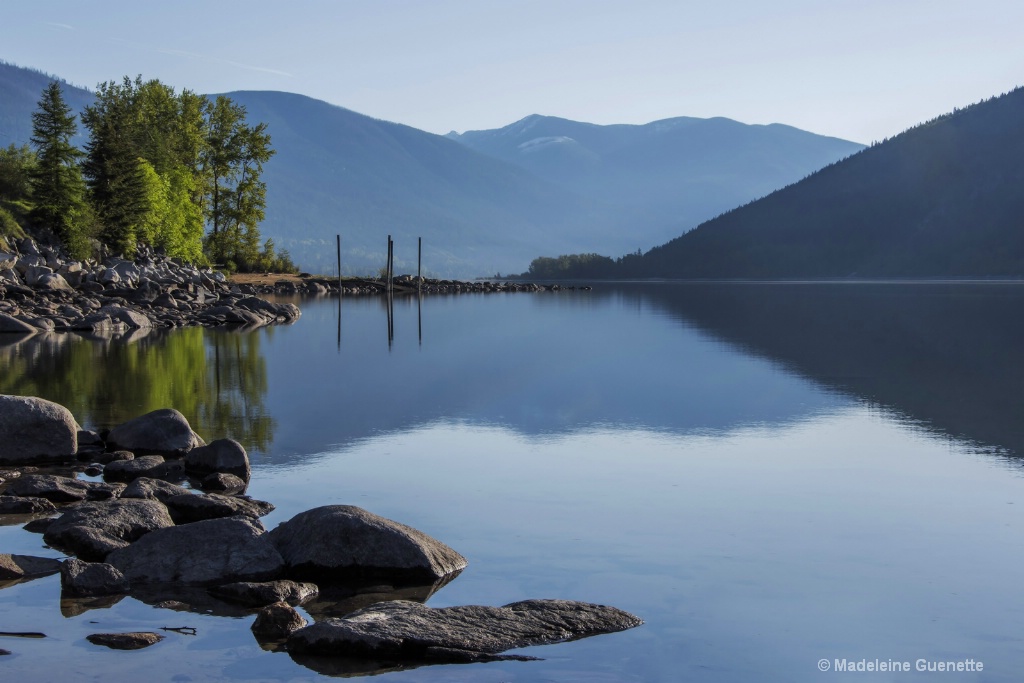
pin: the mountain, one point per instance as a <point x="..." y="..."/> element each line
<point x="667" y="175"/>
<point x="339" y="172"/>
<point x="943" y="199"/>
<point x="20" y="90"/>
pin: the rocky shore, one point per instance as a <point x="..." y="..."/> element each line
<point x="165" y="519"/>
<point x="41" y="290"/>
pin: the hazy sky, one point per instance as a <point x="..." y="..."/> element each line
<point x="861" y="69"/>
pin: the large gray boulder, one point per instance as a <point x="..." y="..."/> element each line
<point x="411" y="631"/>
<point x="163" y="432"/>
<point x="94" y="530"/>
<point x="222" y="455"/>
<point x="203" y="553"/>
<point x="34" y="429"/>
<point x="342" y="542"/>
<point x="127" y="470"/>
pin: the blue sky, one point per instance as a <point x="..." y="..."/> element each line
<point x="861" y="70"/>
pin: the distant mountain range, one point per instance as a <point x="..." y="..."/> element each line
<point x="485" y="201"/>
<point x="943" y="199"/>
<point x="667" y="176"/>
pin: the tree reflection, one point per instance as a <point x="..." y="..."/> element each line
<point x="217" y="379"/>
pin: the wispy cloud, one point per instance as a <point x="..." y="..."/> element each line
<point x="66" y="27"/>
<point x="213" y="60"/>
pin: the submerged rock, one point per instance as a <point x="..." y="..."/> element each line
<point x="202" y="553"/>
<point x="33" y="429"/>
<point x="125" y="641"/>
<point x="346" y="542"/>
<point x="411" y="631"/>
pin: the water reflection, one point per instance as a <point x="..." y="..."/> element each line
<point x="946" y="355"/>
<point x="218" y="380"/>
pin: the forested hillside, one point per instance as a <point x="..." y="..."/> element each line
<point x="942" y="199"/>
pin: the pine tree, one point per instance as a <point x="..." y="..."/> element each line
<point x="58" y="191"/>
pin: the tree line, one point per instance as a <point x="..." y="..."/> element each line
<point x="176" y="171"/>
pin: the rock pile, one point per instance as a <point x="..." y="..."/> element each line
<point x="42" y="290"/>
<point x="141" y="532"/>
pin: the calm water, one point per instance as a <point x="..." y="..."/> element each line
<point x="769" y="475"/>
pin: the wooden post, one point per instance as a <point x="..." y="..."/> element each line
<point x="339" y="264"/>
<point x="419" y="264"/>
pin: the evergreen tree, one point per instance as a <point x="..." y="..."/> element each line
<point x="58" y="191"/>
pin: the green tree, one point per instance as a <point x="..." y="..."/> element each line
<point x="58" y="191"/>
<point x="113" y="165"/>
<point x="232" y="164"/>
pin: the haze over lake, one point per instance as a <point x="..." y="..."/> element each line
<point x="770" y="475"/>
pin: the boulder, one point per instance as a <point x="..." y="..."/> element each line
<point x="127" y="470"/>
<point x="125" y="641"/>
<point x="93" y="530"/>
<point x="153" y="489"/>
<point x="190" y="507"/>
<point x="35" y="429"/>
<point x="210" y="552"/>
<point x="259" y="594"/>
<point x="17" y="505"/>
<point x="59" y="489"/>
<point x="410" y="631"/>
<point x="88" y="579"/>
<point x="277" y="621"/>
<point x="52" y="282"/>
<point x="131" y="319"/>
<point x="14" y="567"/>
<point x="221" y="481"/>
<point x="164" y="431"/>
<point x="346" y="542"/>
<point x="222" y="455"/>
<point x="11" y="325"/>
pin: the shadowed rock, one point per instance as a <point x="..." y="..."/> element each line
<point x="259" y="594"/>
<point x="93" y="530"/>
<point x="33" y="429"/>
<point x="153" y="489"/>
<point x="165" y="432"/>
<point x="202" y="553"/>
<point x="14" y="567"/>
<point x="277" y="621"/>
<point x="59" y="489"/>
<point x="91" y="579"/>
<point x="346" y="542"/>
<point x="127" y="470"/>
<point x="191" y="507"/>
<point x="411" y="631"/>
<point x="222" y="455"/>
<point x="17" y="505"/>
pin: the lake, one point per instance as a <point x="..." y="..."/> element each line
<point x="778" y="478"/>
